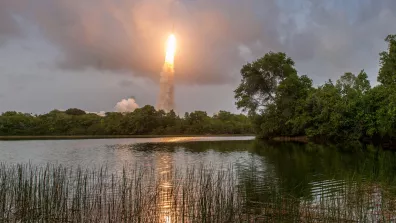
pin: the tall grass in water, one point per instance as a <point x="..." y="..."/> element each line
<point x="197" y="194"/>
<point x="58" y="194"/>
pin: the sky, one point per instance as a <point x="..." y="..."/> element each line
<point x="92" y="54"/>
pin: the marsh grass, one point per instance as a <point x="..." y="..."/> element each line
<point x="54" y="193"/>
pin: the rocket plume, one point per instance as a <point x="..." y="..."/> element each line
<point x="166" y="99"/>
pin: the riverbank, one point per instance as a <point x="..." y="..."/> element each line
<point x="109" y="136"/>
<point x="300" y="139"/>
<point x="388" y="143"/>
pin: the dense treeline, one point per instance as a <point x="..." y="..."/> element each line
<point x="282" y="103"/>
<point x="142" y="121"/>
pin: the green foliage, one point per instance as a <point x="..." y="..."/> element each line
<point x="74" y="111"/>
<point x="387" y="73"/>
<point x="260" y="80"/>
<point x="142" y="121"/>
<point x="281" y="103"/>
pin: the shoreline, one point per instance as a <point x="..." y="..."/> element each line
<point x="74" y="137"/>
<point x="384" y="143"/>
<point x="300" y="139"/>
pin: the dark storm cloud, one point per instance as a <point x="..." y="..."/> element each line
<point x="341" y="36"/>
<point x="129" y="35"/>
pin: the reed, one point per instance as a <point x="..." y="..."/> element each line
<point x="54" y="193"/>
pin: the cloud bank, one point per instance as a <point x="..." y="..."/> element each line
<point x="215" y="38"/>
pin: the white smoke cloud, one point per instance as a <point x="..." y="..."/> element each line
<point x="126" y="105"/>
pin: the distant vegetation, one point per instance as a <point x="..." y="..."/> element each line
<point x="142" y="121"/>
<point x="282" y="103"/>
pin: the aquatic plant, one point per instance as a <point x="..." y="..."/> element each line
<point x="54" y="193"/>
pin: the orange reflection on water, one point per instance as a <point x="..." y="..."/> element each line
<point x="179" y="139"/>
<point x="164" y="168"/>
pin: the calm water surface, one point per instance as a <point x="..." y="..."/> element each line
<point x="304" y="171"/>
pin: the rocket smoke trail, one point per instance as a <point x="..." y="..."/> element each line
<point x="166" y="99"/>
<point x="166" y="96"/>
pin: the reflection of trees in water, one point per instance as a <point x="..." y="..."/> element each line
<point x="273" y="172"/>
<point x="195" y="147"/>
<point x="293" y="168"/>
<point x="299" y="166"/>
<point x="319" y="181"/>
<point x="288" y="181"/>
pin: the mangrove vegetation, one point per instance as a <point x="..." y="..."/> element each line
<point x="142" y="121"/>
<point x="283" y="103"/>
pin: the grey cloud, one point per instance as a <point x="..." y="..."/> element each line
<point x="129" y="35"/>
<point x="8" y="25"/>
<point x="335" y="40"/>
<point x="126" y="83"/>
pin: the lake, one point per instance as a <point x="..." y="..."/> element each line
<point x="307" y="173"/>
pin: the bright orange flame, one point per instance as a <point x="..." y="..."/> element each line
<point x="170" y="49"/>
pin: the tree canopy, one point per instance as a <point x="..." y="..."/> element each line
<point x="387" y="73"/>
<point x="260" y="80"/>
<point x="282" y="103"/>
<point x="142" y="121"/>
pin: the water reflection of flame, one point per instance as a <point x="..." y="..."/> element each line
<point x="165" y="187"/>
<point x="179" y="139"/>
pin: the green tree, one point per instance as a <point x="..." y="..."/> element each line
<point x="380" y="115"/>
<point x="75" y="111"/>
<point x="290" y="100"/>
<point x="273" y="94"/>
<point x="260" y="80"/>
<point x="322" y="107"/>
<point x="387" y="73"/>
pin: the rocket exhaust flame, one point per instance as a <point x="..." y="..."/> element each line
<point x="166" y="96"/>
<point x="170" y="50"/>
